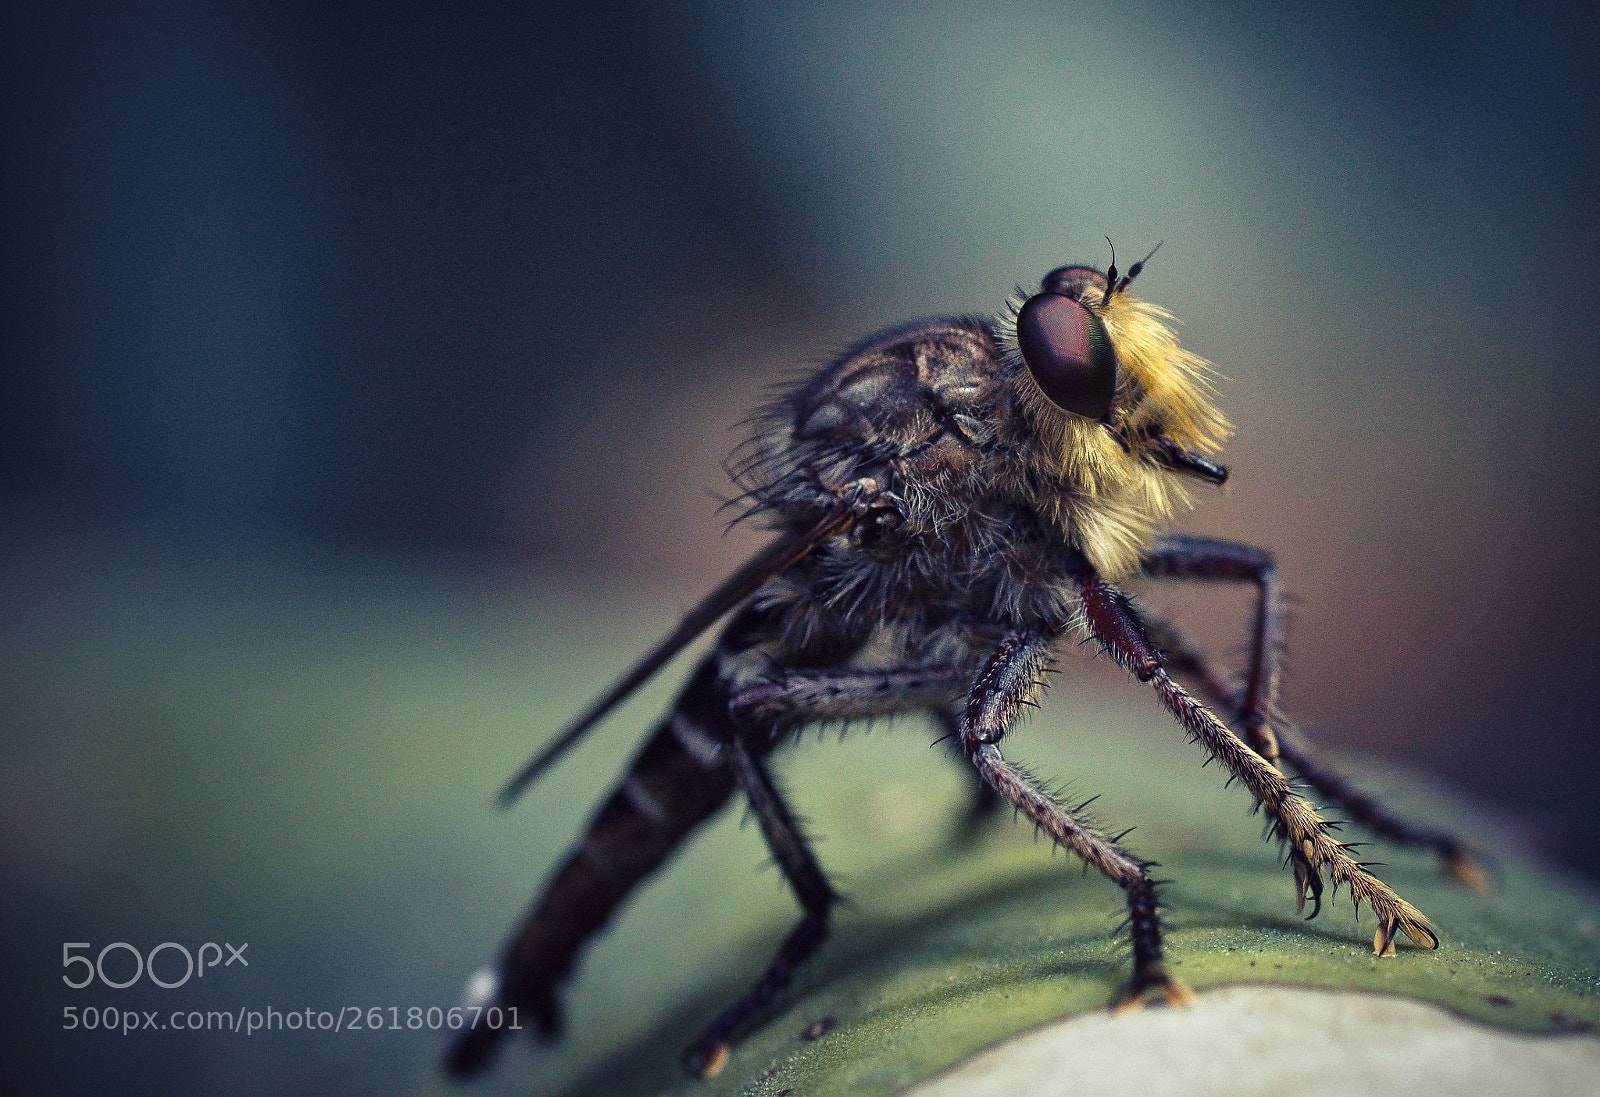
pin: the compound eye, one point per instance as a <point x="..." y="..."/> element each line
<point x="1069" y="354"/>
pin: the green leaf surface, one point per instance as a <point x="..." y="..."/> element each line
<point x="948" y="948"/>
<point x="307" y="763"/>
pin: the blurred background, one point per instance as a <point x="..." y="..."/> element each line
<point x="343" y="339"/>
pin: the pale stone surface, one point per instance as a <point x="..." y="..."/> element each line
<point x="1243" y="1041"/>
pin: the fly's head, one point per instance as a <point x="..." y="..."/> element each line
<point x="1109" y="411"/>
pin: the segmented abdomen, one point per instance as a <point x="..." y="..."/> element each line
<point x="678" y="780"/>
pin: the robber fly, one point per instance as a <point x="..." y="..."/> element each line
<point x="952" y="498"/>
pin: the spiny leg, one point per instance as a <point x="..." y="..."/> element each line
<point x="806" y="695"/>
<point x="1125" y="870"/>
<point x="1008" y="682"/>
<point x="709" y="1053"/>
<point x="983" y="801"/>
<point x="1199" y="558"/>
<point x="1206" y="559"/>
<point x="1456" y="857"/>
<point x="1312" y="850"/>
<point x="1183" y="658"/>
<point x="809" y="696"/>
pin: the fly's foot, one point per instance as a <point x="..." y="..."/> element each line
<point x="1154" y="982"/>
<point x="1463" y="868"/>
<point x="1307" y="880"/>
<point x="1314" y="852"/>
<point x="706" y="1058"/>
<point x="1405" y="919"/>
<point x="1395" y="915"/>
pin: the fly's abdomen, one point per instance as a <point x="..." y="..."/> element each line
<point x="678" y="780"/>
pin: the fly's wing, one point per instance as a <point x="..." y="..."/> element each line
<point x="778" y="557"/>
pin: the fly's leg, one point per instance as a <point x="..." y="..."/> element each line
<point x="984" y="801"/>
<point x="1182" y="657"/>
<point x="1312" y="850"/>
<point x="1204" y="559"/>
<point x="772" y="704"/>
<point x="1009" y="681"/>
<point x="796" y="696"/>
<point x="1124" y="869"/>
<point x="814" y="696"/>
<point x="1364" y="809"/>
<point x="709" y="1053"/>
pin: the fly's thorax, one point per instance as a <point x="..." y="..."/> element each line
<point x="909" y="410"/>
<point x="962" y="587"/>
<point x="882" y="384"/>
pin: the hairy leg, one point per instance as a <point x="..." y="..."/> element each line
<point x="1207" y="560"/>
<point x="1312" y="850"/>
<point x="1128" y="872"/>
<point x="709" y="1053"/>
<point x="795" y="696"/>
<point x="805" y="696"/>
<point x="1009" y="681"/>
<point x="1183" y="658"/>
<point x="983" y="801"/>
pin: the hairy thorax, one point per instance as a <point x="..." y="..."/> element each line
<point x="948" y="549"/>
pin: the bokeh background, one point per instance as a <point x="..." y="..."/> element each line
<point x="343" y="338"/>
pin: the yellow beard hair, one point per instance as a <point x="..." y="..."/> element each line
<point x="1111" y="498"/>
